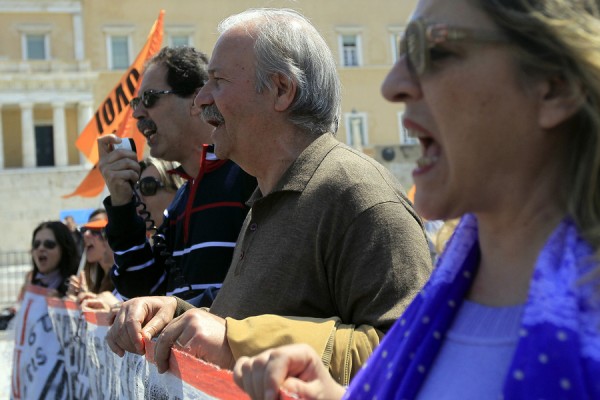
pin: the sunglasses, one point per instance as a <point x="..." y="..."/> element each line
<point x="420" y="38"/>
<point x="148" y="186"/>
<point x="149" y="98"/>
<point x="92" y="231"/>
<point x="49" y="244"/>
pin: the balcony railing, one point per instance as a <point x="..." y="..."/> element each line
<point x="48" y="66"/>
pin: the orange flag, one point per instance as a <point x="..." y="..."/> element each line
<point x="91" y="186"/>
<point x="113" y="109"/>
<point x="120" y="121"/>
<point x="93" y="183"/>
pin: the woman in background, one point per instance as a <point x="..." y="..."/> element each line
<point x="157" y="187"/>
<point x="93" y="288"/>
<point x="54" y="256"/>
<point x="99" y="256"/>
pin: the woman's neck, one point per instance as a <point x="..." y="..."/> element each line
<point x="508" y="255"/>
<point x="52" y="279"/>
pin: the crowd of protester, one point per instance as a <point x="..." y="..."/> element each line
<point x="253" y="239"/>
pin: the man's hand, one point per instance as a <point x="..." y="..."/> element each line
<point x="137" y="320"/>
<point x="119" y="168"/>
<point x="297" y="368"/>
<point x="198" y="333"/>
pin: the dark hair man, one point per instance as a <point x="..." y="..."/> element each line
<point x="193" y="248"/>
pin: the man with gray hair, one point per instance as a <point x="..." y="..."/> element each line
<point x="331" y="251"/>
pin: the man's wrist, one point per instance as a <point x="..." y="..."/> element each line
<point x="120" y="200"/>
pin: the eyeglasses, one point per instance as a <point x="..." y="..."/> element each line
<point x="149" y="98"/>
<point x="49" y="244"/>
<point x="420" y="37"/>
<point x="148" y="186"/>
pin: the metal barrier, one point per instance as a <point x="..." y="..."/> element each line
<point x="13" y="267"/>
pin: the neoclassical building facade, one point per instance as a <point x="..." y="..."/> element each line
<point x="60" y="58"/>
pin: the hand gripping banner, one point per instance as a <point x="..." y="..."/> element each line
<point x="61" y="353"/>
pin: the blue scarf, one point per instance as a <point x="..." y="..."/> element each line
<point x="558" y="352"/>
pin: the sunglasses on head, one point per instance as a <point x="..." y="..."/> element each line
<point x="49" y="244"/>
<point x="420" y="38"/>
<point x="148" y="186"/>
<point x="149" y="98"/>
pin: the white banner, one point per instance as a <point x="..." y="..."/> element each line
<point x="69" y="327"/>
<point x="61" y="353"/>
<point x="38" y="363"/>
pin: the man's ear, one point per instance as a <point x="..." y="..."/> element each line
<point x="285" y="91"/>
<point x="195" y="110"/>
<point x="559" y="101"/>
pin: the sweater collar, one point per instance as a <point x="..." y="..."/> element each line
<point x="297" y="176"/>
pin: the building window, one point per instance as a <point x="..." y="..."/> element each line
<point x="44" y="145"/>
<point x="405" y="139"/>
<point x="180" y="35"/>
<point x="119" y="52"/>
<point x="350" y="50"/>
<point x="118" y="46"/>
<point x="35" y="47"/>
<point x="179" y="40"/>
<point x="35" y="41"/>
<point x="356" y="129"/>
<point x="350" y="45"/>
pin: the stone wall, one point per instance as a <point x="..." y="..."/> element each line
<point x="30" y="196"/>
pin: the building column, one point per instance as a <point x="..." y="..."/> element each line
<point x="61" y="157"/>
<point x="1" y="140"/>
<point x="84" y="115"/>
<point x="28" y="135"/>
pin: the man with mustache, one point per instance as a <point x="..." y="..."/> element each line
<point x="331" y="251"/>
<point x="193" y="247"/>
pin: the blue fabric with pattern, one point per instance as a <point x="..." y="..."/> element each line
<point x="558" y="353"/>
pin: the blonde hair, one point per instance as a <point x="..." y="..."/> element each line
<point x="562" y="38"/>
<point x="172" y="182"/>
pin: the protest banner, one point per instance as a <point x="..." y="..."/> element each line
<point x="38" y="363"/>
<point x="111" y="377"/>
<point x="61" y="353"/>
<point x="69" y="327"/>
<point x="136" y="377"/>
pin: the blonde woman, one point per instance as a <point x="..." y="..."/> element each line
<point x="156" y="188"/>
